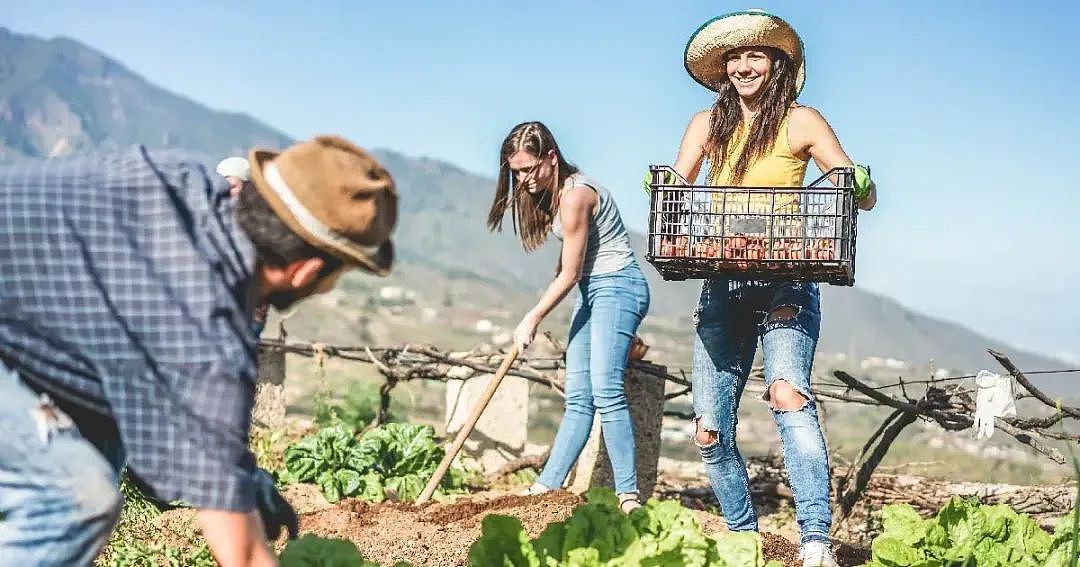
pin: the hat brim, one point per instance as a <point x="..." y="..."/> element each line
<point x="378" y="263"/>
<point x="705" y="50"/>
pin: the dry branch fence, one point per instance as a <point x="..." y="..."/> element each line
<point x="947" y="402"/>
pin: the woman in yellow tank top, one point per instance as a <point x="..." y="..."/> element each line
<point x="777" y="168"/>
<point x="757" y="136"/>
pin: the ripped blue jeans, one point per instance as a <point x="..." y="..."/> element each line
<point x="787" y="319"/>
<point x="58" y="492"/>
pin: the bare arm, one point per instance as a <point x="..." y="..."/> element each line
<point x="692" y="147"/>
<point x="236" y="539"/>
<point x="809" y="133"/>
<point x="576" y="208"/>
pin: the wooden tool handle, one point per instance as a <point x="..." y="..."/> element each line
<point x="467" y="427"/>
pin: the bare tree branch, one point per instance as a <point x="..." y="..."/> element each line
<point x="1039" y="394"/>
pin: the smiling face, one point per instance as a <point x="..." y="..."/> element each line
<point x="531" y="173"/>
<point x="748" y="69"/>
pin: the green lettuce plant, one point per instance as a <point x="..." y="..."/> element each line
<point x="966" y="533"/>
<point x="398" y="457"/>
<point x="598" y="534"/>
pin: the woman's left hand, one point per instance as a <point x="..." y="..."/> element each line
<point x="525" y="332"/>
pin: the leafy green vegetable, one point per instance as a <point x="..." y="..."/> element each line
<point x="503" y="543"/>
<point x="313" y="551"/>
<point x="398" y="457"/>
<point x="598" y="534"/>
<point x="965" y="532"/>
<point x="525" y="476"/>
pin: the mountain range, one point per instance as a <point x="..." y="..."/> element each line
<point x="59" y="97"/>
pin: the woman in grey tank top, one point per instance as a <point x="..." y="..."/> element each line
<point x="546" y="194"/>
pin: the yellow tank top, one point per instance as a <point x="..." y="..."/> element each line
<point x="776" y="168"/>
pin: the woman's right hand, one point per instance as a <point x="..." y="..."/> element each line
<point x="525" y="332"/>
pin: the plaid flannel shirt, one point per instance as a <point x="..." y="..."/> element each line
<point x="125" y="289"/>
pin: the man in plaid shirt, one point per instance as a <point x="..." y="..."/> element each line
<point x="126" y="293"/>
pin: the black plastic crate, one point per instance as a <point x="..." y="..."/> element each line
<point x="753" y="233"/>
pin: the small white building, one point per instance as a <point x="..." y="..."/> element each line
<point x="395" y="295"/>
<point x="391" y="292"/>
<point x="882" y="362"/>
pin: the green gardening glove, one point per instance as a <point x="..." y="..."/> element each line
<point x="646" y="182"/>
<point x="863" y="184"/>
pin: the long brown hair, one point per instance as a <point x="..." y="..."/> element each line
<point x="777" y="96"/>
<point x="532" y="214"/>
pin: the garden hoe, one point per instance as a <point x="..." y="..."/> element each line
<point x="468" y="426"/>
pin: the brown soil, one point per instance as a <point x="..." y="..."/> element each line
<point x="305" y="498"/>
<point x="439" y="535"/>
<point x="849" y="555"/>
<point x="776" y="547"/>
<point x="177" y="527"/>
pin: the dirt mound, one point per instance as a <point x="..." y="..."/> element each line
<point x="541" y="506"/>
<point x="437" y="535"/>
<point x="779" y="548"/>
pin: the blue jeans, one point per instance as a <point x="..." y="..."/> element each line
<point x="58" y="494"/>
<point x="728" y="327"/>
<point x="606" y="317"/>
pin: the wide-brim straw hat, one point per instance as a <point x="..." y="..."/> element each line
<point x="704" y="55"/>
<point x="334" y="195"/>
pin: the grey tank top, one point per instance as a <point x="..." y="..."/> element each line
<point x="608" y="249"/>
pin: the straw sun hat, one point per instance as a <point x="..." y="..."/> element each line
<point x="704" y="56"/>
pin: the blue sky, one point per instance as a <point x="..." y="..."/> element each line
<point x="964" y="111"/>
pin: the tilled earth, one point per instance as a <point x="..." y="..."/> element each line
<point x="439" y="535"/>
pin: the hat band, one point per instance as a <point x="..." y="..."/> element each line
<point x="307" y="220"/>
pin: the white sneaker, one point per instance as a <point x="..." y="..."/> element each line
<point x="535" y="489"/>
<point x="817" y="554"/>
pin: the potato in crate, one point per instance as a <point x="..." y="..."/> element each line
<point x="753" y="233"/>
